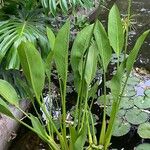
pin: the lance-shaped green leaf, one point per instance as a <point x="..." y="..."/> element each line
<point x="48" y="62"/>
<point x="51" y="37"/>
<point x="52" y="6"/>
<point x="103" y="44"/>
<point x="41" y="132"/>
<point x="73" y="136"/>
<point x="79" y="48"/>
<point x="8" y="93"/>
<point x="4" y="109"/>
<point x="64" y="5"/>
<point x="38" y="126"/>
<point x="133" y="54"/>
<point x="116" y="82"/>
<point x="115" y="30"/>
<point x="61" y="51"/>
<point x="33" y="67"/>
<point x="91" y="64"/>
<point x="81" y="139"/>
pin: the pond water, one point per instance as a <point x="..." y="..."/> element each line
<point x="141" y="22"/>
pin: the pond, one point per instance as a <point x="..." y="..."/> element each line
<point x="141" y="22"/>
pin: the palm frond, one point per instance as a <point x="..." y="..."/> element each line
<point x="52" y="5"/>
<point x="27" y="26"/>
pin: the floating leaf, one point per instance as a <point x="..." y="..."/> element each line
<point x="144" y="146"/>
<point x="133" y="81"/>
<point x="142" y="102"/>
<point x="120" y="113"/>
<point x="109" y="100"/>
<point x="144" y="130"/>
<point x="136" y="116"/>
<point x="8" y="93"/>
<point x="147" y="93"/>
<point x="126" y="103"/>
<point x="129" y="93"/>
<point x="121" y="127"/>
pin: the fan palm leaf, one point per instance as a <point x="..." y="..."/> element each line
<point x="26" y="25"/>
<point x="52" y="5"/>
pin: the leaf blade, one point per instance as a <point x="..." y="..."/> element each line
<point x="33" y="70"/>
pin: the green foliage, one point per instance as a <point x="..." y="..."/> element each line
<point x="26" y="24"/>
<point x="103" y="44"/>
<point x="91" y="64"/>
<point x="8" y="93"/>
<point x="147" y="92"/>
<point x="4" y="109"/>
<point x="91" y="44"/>
<point x="136" y="116"/>
<point x="115" y="30"/>
<point x="33" y="70"/>
<point x="78" y="51"/>
<point x="144" y="130"/>
<point x="121" y="127"/>
<point x="61" y="51"/>
<point x="52" y="5"/>
<point x="37" y="126"/>
<point x="144" y="146"/>
<point x="142" y="102"/>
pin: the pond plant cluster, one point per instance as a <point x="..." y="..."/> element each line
<point x="25" y="46"/>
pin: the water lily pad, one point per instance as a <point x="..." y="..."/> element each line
<point x="144" y="130"/>
<point x="133" y="80"/>
<point x="121" y="127"/>
<point x="144" y="146"/>
<point x="136" y="116"/>
<point x="129" y="88"/>
<point x="129" y="92"/>
<point x="147" y="92"/>
<point x="109" y="100"/>
<point x="142" y="102"/>
<point x="120" y="113"/>
<point x="126" y="103"/>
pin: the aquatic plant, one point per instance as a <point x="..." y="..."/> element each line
<point x="92" y="46"/>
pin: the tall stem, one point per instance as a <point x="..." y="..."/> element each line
<point x="85" y="108"/>
<point x="127" y="28"/>
<point x="77" y="105"/>
<point x="103" y="130"/>
<point x="63" y="98"/>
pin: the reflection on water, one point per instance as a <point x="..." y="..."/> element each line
<point x="140" y="88"/>
<point x="141" y="12"/>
